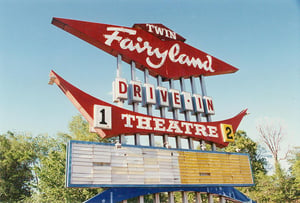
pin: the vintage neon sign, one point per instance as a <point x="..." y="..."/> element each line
<point x="162" y="52"/>
<point x="171" y="59"/>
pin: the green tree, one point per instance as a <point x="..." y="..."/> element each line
<point x="272" y="133"/>
<point x="295" y="172"/>
<point x="278" y="187"/>
<point x="16" y="160"/>
<point x="51" y="174"/>
<point x="51" y="168"/>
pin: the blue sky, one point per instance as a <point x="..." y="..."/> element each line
<point x="261" y="38"/>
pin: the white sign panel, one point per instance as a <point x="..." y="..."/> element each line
<point x="102" y="117"/>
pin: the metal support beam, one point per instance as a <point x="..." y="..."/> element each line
<point x="191" y="143"/>
<point x="122" y="138"/>
<point x="198" y="115"/>
<point x="208" y="117"/>
<point x="210" y="198"/>
<point x="184" y="196"/>
<point x="119" y="65"/>
<point x="198" y="197"/>
<point x="222" y="199"/>
<point x="141" y="199"/>
<point x="156" y="198"/>
<point x="137" y="139"/>
<point x="194" y="91"/>
<point x="162" y="112"/>
<point x="186" y="114"/>
<point x="171" y="197"/>
<point x="175" y="116"/>
<point x="149" y="108"/>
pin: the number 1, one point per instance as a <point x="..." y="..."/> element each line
<point x="103" y="117"/>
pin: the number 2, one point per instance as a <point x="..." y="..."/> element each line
<point x="228" y="133"/>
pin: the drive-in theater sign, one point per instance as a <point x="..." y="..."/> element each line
<point x="163" y="54"/>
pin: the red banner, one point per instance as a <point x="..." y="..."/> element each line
<point x="109" y="120"/>
<point x="172" y="59"/>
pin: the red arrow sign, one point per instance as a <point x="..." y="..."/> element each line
<point x="172" y="59"/>
<point x="122" y="121"/>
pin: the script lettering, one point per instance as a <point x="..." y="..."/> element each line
<point x="154" y="53"/>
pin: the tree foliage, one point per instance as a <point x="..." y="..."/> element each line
<point x="51" y="169"/>
<point x="32" y="169"/>
<point x="51" y="174"/>
<point x="295" y="170"/>
<point x="278" y="187"/>
<point x="16" y="159"/>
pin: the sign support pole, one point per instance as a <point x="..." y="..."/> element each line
<point x="184" y="195"/>
<point x="149" y="108"/>
<point x="222" y="199"/>
<point x="151" y="136"/>
<point x="171" y="197"/>
<point x="198" y="115"/>
<point x="194" y="91"/>
<point x="178" y="142"/>
<point x="175" y="116"/>
<point x="119" y="65"/>
<point x="122" y="138"/>
<point x="156" y="198"/>
<point x="186" y="113"/>
<point x="137" y="138"/>
<point x="162" y="112"/>
<point x="141" y="199"/>
<point x="208" y="117"/>
<point x="210" y="198"/>
<point x="135" y="104"/>
<point x="198" y="197"/>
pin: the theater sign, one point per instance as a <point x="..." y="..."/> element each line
<point x="163" y="54"/>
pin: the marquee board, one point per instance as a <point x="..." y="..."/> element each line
<point x="92" y="164"/>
